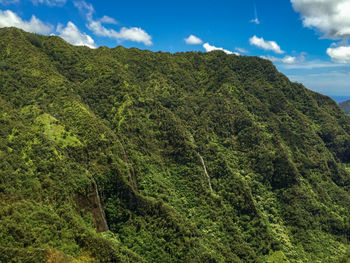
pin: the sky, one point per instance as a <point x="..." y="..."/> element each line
<point x="306" y="39"/>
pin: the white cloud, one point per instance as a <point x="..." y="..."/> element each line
<point x="255" y="21"/>
<point x="71" y="34"/>
<point x="331" y="17"/>
<point x="193" y="40"/>
<point x="85" y="8"/>
<point x="50" y="2"/>
<point x="242" y="50"/>
<point x="288" y="62"/>
<point x="34" y="25"/>
<point x="209" y="48"/>
<point x="286" y="59"/>
<point x="135" y="34"/>
<point x="266" y="45"/>
<point x="108" y="20"/>
<point x="339" y="54"/>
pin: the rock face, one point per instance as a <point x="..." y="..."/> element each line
<point x="99" y="158"/>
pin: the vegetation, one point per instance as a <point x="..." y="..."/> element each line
<point x="140" y="132"/>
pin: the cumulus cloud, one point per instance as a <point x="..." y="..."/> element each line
<point x="339" y="54"/>
<point x="135" y="34"/>
<point x="50" y="2"/>
<point x="34" y="25"/>
<point x="71" y="34"/>
<point x="266" y="45"/>
<point x="331" y="17"/>
<point x="193" y="40"/>
<point x="209" y="48"/>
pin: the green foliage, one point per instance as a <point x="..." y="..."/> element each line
<point x="277" y="257"/>
<point x="136" y="124"/>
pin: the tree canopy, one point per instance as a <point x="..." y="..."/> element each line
<point x="144" y="137"/>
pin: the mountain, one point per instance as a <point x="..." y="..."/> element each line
<point x="124" y="155"/>
<point x="345" y="106"/>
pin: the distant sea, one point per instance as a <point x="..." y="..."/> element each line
<point x="340" y="98"/>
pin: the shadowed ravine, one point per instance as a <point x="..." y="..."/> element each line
<point x="101" y="222"/>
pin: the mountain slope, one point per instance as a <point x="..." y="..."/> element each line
<point x="200" y="157"/>
<point x="345" y="106"/>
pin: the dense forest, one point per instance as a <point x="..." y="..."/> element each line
<point x="124" y="155"/>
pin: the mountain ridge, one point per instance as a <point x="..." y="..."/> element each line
<point x="136" y="123"/>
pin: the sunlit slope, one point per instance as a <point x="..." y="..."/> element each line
<point x="197" y="157"/>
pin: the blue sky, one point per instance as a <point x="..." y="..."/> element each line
<point x="306" y="39"/>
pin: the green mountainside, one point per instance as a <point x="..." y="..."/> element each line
<point x="123" y="155"/>
<point x="345" y="106"/>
